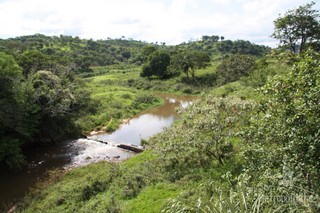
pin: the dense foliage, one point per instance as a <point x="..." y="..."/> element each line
<point x="78" y="54"/>
<point x="12" y="109"/>
<point x="284" y="135"/>
<point x="156" y="64"/>
<point x="207" y="134"/>
<point x="218" y="45"/>
<point x="189" y="61"/>
<point x="36" y="106"/>
<point x="233" y="67"/>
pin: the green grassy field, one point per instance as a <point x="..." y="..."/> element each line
<point x="114" y="100"/>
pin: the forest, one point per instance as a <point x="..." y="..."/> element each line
<point x="250" y="143"/>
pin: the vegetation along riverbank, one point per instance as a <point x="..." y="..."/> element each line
<point x="249" y="144"/>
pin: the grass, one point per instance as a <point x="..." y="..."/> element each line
<point x="119" y="93"/>
<point x="99" y="187"/>
<point x="114" y="100"/>
<point x="153" y="198"/>
<point x="73" y="190"/>
<point x="236" y="89"/>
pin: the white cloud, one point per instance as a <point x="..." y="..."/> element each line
<point x="170" y="21"/>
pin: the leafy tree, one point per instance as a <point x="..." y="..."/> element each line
<point x="156" y="65"/>
<point x="146" y="71"/>
<point x="40" y="108"/>
<point x="32" y="61"/>
<point x="298" y="28"/>
<point x="147" y="50"/>
<point x="190" y="61"/>
<point x="225" y="46"/>
<point x="233" y="67"/>
<point x="55" y="100"/>
<point x="241" y="47"/>
<point x="247" y="48"/>
<point x="212" y="38"/>
<point x="126" y="54"/>
<point x="14" y="123"/>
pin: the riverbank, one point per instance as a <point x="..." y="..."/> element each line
<point x="147" y="182"/>
<point x="83" y="152"/>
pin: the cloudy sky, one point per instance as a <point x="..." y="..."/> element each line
<point x="170" y="21"/>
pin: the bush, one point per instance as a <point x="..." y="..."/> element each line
<point x="284" y="148"/>
<point x="144" y="99"/>
<point x="204" y="136"/>
<point x="187" y="90"/>
<point x="133" y="186"/>
<point x="232" y="68"/>
<point x="93" y="189"/>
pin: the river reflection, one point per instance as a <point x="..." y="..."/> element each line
<point x="148" y="123"/>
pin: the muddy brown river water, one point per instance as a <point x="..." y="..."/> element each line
<point x="73" y="153"/>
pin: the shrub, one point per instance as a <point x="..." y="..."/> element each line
<point x="204" y="136"/>
<point x="232" y="68"/>
<point x="93" y="189"/>
<point x="144" y="99"/>
<point x="284" y="148"/>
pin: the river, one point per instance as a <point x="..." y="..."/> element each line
<point x="73" y="153"/>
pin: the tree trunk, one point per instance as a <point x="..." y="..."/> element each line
<point x="193" y="74"/>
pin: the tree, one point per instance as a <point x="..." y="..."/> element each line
<point x="298" y="28"/>
<point x="54" y="98"/>
<point x="225" y="46"/>
<point x="33" y="60"/>
<point x="189" y="61"/>
<point x="247" y="48"/>
<point x="156" y="64"/>
<point x="147" y="50"/>
<point x="233" y="67"/>
<point x="212" y="38"/>
<point x="30" y="61"/>
<point x="14" y="124"/>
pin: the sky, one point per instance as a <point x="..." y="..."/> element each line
<point x="169" y="21"/>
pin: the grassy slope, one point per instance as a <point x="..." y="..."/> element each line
<point x="120" y="93"/>
<point x="115" y="100"/>
<point x="103" y="186"/>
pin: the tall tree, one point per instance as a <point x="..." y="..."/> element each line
<point x="298" y="28"/>
<point x="157" y="64"/>
<point x="14" y="122"/>
<point x="190" y="61"/>
<point x="55" y="100"/>
<point x="147" y="50"/>
<point x="33" y="60"/>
